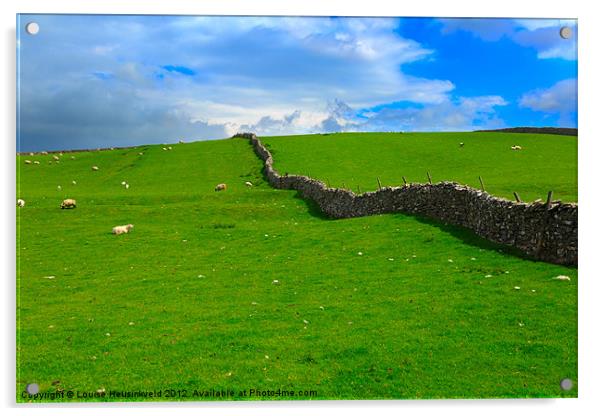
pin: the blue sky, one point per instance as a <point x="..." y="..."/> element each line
<point x="89" y="81"/>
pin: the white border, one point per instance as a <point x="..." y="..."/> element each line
<point x="590" y="141"/>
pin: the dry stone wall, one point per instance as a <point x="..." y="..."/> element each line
<point x="542" y="232"/>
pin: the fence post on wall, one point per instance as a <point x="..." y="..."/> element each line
<point x="428" y="175"/>
<point x="517" y="197"/>
<point x="379" y="185"/>
<point x="358" y="190"/>
<point x="405" y="183"/>
<point x="482" y="186"/>
<point x="549" y="200"/>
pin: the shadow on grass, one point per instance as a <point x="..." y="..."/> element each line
<point x="465" y="235"/>
<point x="312" y="207"/>
<point x="469" y="237"/>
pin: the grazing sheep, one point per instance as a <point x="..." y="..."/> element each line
<point x="181" y="142"/>
<point x="562" y="277"/>
<point x="516" y="147"/>
<point x="55" y="157"/>
<point x="74" y="183"/>
<point x="36" y="162"/>
<point x="168" y="147"/>
<point x="123" y="183"/>
<point x="127" y="186"/>
<point x="461" y="144"/>
<point x="72" y="157"/>
<point x="221" y="187"/>
<point x="20" y="203"/>
<point x="28" y="162"/>
<point x="140" y="153"/>
<point x="44" y="153"/>
<point x="59" y="187"/>
<point x="94" y="167"/>
<point x="122" y="229"/>
<point x="249" y="184"/>
<point x="68" y="203"/>
<point x="165" y="148"/>
<point x="30" y="153"/>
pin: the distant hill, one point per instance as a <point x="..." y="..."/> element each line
<point x="543" y="130"/>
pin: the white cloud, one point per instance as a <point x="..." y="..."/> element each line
<point x="534" y="24"/>
<point x="110" y="84"/>
<point x="543" y="35"/>
<point x="466" y="113"/>
<point x="560" y="98"/>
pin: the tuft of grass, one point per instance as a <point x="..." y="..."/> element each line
<point x="222" y="226"/>
<point x="189" y="302"/>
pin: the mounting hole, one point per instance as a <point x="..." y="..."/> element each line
<point x="32" y="28"/>
<point x="566" y="32"/>
<point x="566" y="384"/>
<point x="32" y="388"/>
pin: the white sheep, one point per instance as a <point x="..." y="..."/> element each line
<point x="73" y="182"/>
<point x="20" y="203"/>
<point x="36" y="162"/>
<point x="27" y="162"/>
<point x="55" y="157"/>
<point x="249" y="184"/>
<point x="123" y="183"/>
<point x="122" y="229"/>
<point x="94" y="168"/>
<point x="461" y="144"/>
<point x="44" y="153"/>
<point x="516" y="147"/>
<point x="168" y="147"/>
<point x="562" y="277"/>
<point x="221" y="187"/>
<point x="68" y="203"/>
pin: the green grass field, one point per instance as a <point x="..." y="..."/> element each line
<point x="546" y="162"/>
<point x="187" y="300"/>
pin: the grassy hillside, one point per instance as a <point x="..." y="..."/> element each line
<point x="546" y="162"/>
<point x="187" y="300"/>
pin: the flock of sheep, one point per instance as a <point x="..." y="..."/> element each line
<point x="70" y="203"/>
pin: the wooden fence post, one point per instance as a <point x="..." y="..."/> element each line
<point x="428" y="175"/>
<point x="379" y="185"/>
<point x="482" y="186"/>
<point x="517" y="197"/>
<point x="549" y="200"/>
<point x="404" y="181"/>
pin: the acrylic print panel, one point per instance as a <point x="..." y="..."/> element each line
<point x="295" y="208"/>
